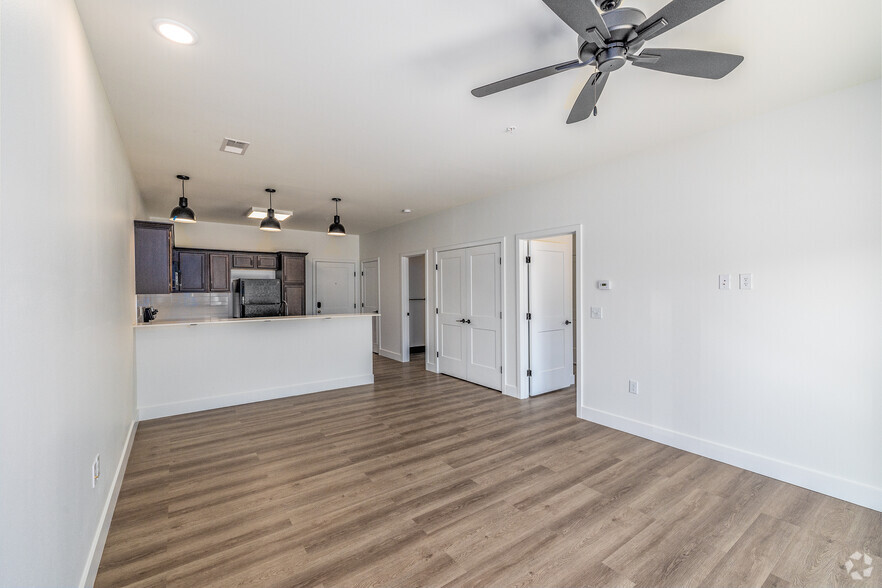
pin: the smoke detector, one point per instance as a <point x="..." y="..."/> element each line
<point x="234" y="146"/>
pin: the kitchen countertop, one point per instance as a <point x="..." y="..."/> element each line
<point x="266" y="319"/>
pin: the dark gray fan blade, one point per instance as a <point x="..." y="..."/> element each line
<point x="580" y="15"/>
<point x="675" y="13"/>
<point x="588" y="98"/>
<point x="688" y="62"/>
<point x="525" y="78"/>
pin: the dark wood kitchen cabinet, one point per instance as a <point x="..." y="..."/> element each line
<point x="292" y="273"/>
<point x="191" y="271"/>
<point x="218" y="272"/>
<point x="153" y="257"/>
<point x="267" y="261"/>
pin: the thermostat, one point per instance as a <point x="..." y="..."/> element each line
<point x="603" y="285"/>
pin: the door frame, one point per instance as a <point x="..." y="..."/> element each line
<point x="523" y="354"/>
<point x="356" y="264"/>
<point x="405" y="302"/>
<point x="434" y="366"/>
<point x="360" y="302"/>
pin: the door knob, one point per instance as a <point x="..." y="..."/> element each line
<point x="568" y="322"/>
<point x="460" y="320"/>
<point x="469" y="321"/>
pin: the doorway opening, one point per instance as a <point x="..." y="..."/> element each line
<point x="414" y="315"/>
<point x="549" y="290"/>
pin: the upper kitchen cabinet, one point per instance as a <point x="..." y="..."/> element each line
<point x="153" y="257"/>
<point x="218" y="272"/>
<point x="243" y="260"/>
<point x="191" y="271"/>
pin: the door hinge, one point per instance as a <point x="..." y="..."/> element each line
<point x="354" y="275"/>
<point x="500" y="261"/>
<point x="529" y="316"/>
<point x="408" y="314"/>
<point x="500" y="369"/>
<point x="500" y="314"/>
<point x="436" y="311"/>
<point x="437" y="354"/>
<point x="529" y="373"/>
<point x="436" y="267"/>
<point x="362" y="304"/>
<point x="528" y="259"/>
<point x="353" y="305"/>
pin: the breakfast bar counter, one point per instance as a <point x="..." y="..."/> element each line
<point x="188" y="366"/>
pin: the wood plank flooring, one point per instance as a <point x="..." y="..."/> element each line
<point x="425" y="480"/>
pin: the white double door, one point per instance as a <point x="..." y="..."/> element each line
<point x="550" y="304"/>
<point x="470" y="314"/>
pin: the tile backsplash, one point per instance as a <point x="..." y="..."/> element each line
<point x="186" y="305"/>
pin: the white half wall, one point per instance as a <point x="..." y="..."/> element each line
<point x="320" y="246"/>
<point x="788" y="374"/>
<point x="67" y="201"/>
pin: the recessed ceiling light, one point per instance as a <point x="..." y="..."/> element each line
<point x="175" y="31"/>
<point x="406" y="210"/>
<point x="258" y="212"/>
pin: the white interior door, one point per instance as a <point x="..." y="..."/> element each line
<point x="370" y="296"/>
<point x="550" y="283"/>
<point x="335" y="287"/>
<point x="483" y="315"/>
<point x="452" y="349"/>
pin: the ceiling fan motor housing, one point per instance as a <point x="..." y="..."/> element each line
<point x="605" y="5"/>
<point x="621" y="23"/>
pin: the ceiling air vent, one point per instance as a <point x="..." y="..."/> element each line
<point x="234" y="146"/>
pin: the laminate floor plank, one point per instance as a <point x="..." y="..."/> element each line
<point x="424" y="480"/>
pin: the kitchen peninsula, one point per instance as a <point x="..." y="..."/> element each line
<point x="188" y="366"/>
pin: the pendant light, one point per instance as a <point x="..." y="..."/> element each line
<point x="336" y="229"/>
<point x="270" y="223"/>
<point x="182" y="213"/>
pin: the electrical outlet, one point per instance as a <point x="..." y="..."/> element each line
<point x="632" y="387"/>
<point x="745" y="281"/>
<point x="725" y="281"/>
<point x="96" y="470"/>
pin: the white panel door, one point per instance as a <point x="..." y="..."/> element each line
<point x="483" y="320"/>
<point x="451" y="313"/>
<point x="549" y="275"/>
<point x="335" y="287"/>
<point x="370" y="297"/>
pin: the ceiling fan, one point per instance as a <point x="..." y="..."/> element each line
<point x="610" y="36"/>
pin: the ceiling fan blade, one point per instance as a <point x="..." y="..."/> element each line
<point x="526" y="78"/>
<point x="579" y="15"/>
<point x="688" y="62"/>
<point x="588" y="98"/>
<point x="674" y="13"/>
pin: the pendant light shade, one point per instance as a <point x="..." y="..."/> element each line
<point x="182" y="213"/>
<point x="336" y="229"/>
<point x="270" y="223"/>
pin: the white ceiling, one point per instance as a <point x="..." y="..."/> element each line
<point x="370" y="100"/>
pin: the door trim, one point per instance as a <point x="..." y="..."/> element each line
<point x="360" y="289"/>
<point x="508" y="389"/>
<point x="405" y="305"/>
<point x="523" y="359"/>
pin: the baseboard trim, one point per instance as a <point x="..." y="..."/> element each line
<point x="849" y="490"/>
<point x="91" y="569"/>
<point x="511" y="390"/>
<point x="390" y="354"/>
<point x="146" y="413"/>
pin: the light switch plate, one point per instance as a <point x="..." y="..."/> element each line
<point x="745" y="281"/>
<point x="596" y="312"/>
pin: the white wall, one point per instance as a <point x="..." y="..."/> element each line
<point x="320" y="246"/>
<point x="66" y="290"/>
<point x="784" y="379"/>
